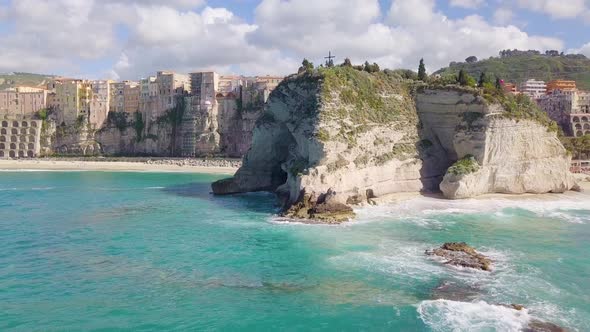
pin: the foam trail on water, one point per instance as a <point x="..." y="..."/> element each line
<point x="422" y="209"/>
<point x="445" y="315"/>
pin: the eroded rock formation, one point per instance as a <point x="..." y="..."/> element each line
<point x="362" y="136"/>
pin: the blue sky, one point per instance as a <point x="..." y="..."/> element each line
<point x="129" y="39"/>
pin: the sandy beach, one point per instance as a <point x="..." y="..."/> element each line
<point x="109" y="166"/>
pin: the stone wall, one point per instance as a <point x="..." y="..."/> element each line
<point x="19" y="137"/>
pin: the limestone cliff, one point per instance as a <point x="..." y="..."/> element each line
<point x="344" y="132"/>
<point x="513" y="157"/>
<point x="492" y="151"/>
<point x="340" y="136"/>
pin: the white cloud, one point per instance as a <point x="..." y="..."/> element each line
<point x="556" y="8"/>
<point x="585" y="49"/>
<point x="412" y="12"/>
<point x="467" y="3"/>
<point x="54" y="35"/>
<point x="414" y="29"/>
<point x="503" y="15"/>
<point x="184" y="4"/>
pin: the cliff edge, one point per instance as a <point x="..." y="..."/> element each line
<point x="337" y="137"/>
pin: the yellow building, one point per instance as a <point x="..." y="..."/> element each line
<point x="72" y="99"/>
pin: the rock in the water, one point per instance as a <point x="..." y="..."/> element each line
<point x="460" y="254"/>
<point x="324" y="209"/>
<point x="536" y="325"/>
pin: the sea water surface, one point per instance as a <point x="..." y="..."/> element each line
<point x="84" y="251"/>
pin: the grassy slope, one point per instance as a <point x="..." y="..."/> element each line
<point x="520" y="68"/>
<point x="23" y="79"/>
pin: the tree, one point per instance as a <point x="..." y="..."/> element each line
<point x="483" y="79"/>
<point x="422" y="71"/>
<point x="499" y="84"/>
<point x="306" y="66"/>
<point x="465" y="80"/>
<point x="374" y="68"/>
<point x="462" y="78"/>
<point x="347" y="63"/>
<point x="471" y="59"/>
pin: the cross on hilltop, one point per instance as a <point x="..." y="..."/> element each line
<point x="330" y="59"/>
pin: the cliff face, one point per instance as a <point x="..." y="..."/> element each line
<point x="508" y="156"/>
<point x="345" y="137"/>
<point x="512" y="157"/>
<point x="221" y="129"/>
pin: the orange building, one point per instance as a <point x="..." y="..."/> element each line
<point x="510" y="87"/>
<point x="562" y="85"/>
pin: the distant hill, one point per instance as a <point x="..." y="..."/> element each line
<point x="23" y="79"/>
<point x="518" y="66"/>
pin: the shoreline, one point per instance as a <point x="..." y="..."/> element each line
<point x="166" y="166"/>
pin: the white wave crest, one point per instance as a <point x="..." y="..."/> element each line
<point x="422" y="209"/>
<point x="445" y="315"/>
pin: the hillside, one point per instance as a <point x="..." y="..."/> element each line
<point x="519" y="68"/>
<point x="23" y="79"/>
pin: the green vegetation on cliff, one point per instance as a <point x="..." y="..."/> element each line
<point x="365" y="97"/>
<point x="521" y="66"/>
<point x="464" y="166"/>
<point x="518" y="107"/>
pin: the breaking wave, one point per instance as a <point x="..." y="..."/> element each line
<point x="421" y="210"/>
<point x="445" y="315"/>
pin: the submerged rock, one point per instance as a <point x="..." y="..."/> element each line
<point x="536" y="325"/>
<point x="448" y="290"/>
<point x="460" y="254"/>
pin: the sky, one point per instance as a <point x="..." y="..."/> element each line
<point x="131" y="39"/>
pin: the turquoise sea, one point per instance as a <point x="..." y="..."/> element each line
<point x="83" y="251"/>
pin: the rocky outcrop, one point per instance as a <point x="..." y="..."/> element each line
<point x="364" y="136"/>
<point x="513" y="157"/>
<point x="78" y="140"/>
<point x="323" y="134"/>
<point x="323" y="209"/>
<point x="460" y="254"/>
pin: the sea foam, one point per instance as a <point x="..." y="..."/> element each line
<point x="445" y="315"/>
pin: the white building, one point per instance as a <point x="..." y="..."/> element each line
<point x="534" y="88"/>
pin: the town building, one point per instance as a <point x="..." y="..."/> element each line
<point x="131" y="93"/>
<point x="510" y="88"/>
<point x="533" y="88"/>
<point x="561" y="85"/>
<point x="160" y="94"/>
<point x="71" y="100"/>
<point x="99" y="104"/>
<point x="117" y="98"/>
<point x="570" y="109"/>
<point x="201" y="115"/>
<point x="81" y="101"/>
<point x="125" y="97"/>
<point x="23" y="101"/>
